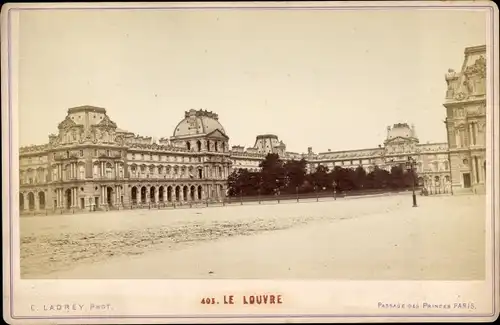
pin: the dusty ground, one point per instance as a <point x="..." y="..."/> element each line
<point x="367" y="238"/>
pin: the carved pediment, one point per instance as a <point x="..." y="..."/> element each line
<point x="399" y="140"/>
<point x="66" y="124"/>
<point x="218" y="134"/>
<point x="107" y="123"/>
<point x="477" y="69"/>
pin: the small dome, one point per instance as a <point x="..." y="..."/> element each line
<point x="400" y="130"/>
<point x="198" y="122"/>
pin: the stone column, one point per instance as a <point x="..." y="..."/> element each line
<point x="157" y="194"/>
<point x="37" y="203"/>
<point x="469" y="133"/>
<point x="483" y="170"/>
<point x="196" y="193"/>
<point x="63" y="199"/>
<point x="473" y="169"/>
<point x="148" y="194"/>
<point x="478" y="169"/>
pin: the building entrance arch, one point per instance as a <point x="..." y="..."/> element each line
<point x="143" y="194"/>
<point x="109" y="195"/>
<point x="31" y="201"/>
<point x="41" y="200"/>
<point x="68" y="198"/>
<point x="21" y="201"/>
<point x="134" y="195"/>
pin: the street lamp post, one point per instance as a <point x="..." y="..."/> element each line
<point x="297" y="193"/>
<point x="334" y="190"/>
<point x="278" y="189"/>
<point x="410" y="164"/>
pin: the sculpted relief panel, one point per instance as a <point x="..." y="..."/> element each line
<point x="475" y="77"/>
<point x="472" y="82"/>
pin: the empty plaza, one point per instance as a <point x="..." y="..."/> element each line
<point x="372" y="238"/>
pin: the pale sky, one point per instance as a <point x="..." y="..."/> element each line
<point x="326" y="79"/>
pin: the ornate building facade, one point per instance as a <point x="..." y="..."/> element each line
<point x="91" y="164"/>
<point x="466" y="121"/>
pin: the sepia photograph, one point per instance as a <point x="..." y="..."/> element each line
<point x="247" y="142"/>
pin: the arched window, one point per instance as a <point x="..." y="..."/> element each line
<point x="216" y="144"/>
<point x="198" y="144"/>
<point x="208" y="145"/>
<point x="188" y="145"/>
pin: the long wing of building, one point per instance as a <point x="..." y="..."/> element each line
<point x="92" y="164"/>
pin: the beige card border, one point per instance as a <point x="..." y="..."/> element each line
<point x="325" y="301"/>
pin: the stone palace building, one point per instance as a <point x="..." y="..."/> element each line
<point x="91" y="164"/>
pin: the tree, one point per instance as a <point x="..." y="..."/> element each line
<point x="273" y="174"/>
<point x="379" y="178"/>
<point x="235" y="181"/>
<point x="360" y="177"/>
<point x="295" y="173"/>
<point x="397" y="177"/>
<point x="321" y="178"/>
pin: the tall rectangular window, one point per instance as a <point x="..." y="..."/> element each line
<point x="474" y="130"/>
